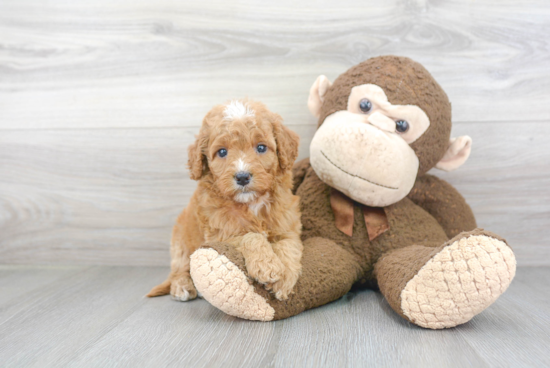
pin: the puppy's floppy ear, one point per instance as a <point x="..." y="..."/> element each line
<point x="197" y="163"/>
<point x="287" y="143"/>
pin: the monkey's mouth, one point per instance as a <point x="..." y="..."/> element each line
<point x="354" y="175"/>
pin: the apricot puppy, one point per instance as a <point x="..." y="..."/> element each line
<point x="242" y="159"/>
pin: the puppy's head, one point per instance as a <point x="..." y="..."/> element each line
<point x="244" y="148"/>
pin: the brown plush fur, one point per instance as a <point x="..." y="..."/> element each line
<point x="421" y="224"/>
<point x="333" y="262"/>
<point x="261" y="221"/>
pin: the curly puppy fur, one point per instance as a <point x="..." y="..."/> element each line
<point x="261" y="219"/>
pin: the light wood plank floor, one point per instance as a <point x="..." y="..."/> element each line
<point x="98" y="317"/>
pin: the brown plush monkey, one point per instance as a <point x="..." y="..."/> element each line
<point x="371" y="215"/>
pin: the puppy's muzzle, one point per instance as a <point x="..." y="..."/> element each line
<point x="242" y="178"/>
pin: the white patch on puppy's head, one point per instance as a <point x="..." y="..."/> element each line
<point x="236" y="109"/>
<point x="241" y="165"/>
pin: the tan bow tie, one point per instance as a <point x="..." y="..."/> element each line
<point x="375" y="217"/>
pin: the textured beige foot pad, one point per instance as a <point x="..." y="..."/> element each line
<point x="226" y="287"/>
<point x="459" y="282"/>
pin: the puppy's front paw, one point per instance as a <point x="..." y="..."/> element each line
<point x="284" y="287"/>
<point x="261" y="262"/>
<point x="182" y="289"/>
<point x="265" y="271"/>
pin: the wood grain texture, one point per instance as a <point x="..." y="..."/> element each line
<point x="20" y="284"/>
<point x="165" y="63"/>
<point x="98" y="317"/>
<point x="111" y="196"/>
<point x="93" y="196"/>
<point x="99" y="100"/>
<point x="63" y="318"/>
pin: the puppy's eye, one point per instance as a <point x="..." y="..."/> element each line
<point x="222" y="152"/>
<point x="261" y="148"/>
<point x="401" y="126"/>
<point x="365" y="105"/>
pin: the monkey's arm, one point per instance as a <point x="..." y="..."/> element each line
<point x="443" y="202"/>
<point x="298" y="173"/>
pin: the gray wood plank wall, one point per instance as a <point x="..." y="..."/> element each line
<point x="99" y="101"/>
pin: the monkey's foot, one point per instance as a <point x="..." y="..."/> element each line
<point x="461" y="280"/>
<point x="224" y="285"/>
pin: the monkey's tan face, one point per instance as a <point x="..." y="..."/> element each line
<point x="364" y="151"/>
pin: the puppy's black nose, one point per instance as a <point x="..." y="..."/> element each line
<point x="242" y="178"/>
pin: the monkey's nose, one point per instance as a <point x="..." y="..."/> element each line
<point x="381" y="121"/>
<point x="242" y="178"/>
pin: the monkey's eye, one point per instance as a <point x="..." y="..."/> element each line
<point x="222" y="152"/>
<point x="401" y="126"/>
<point x="365" y="105"/>
<point x="261" y="148"/>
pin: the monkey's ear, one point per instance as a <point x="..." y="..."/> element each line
<point x="317" y="95"/>
<point x="197" y="161"/>
<point x="457" y="153"/>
